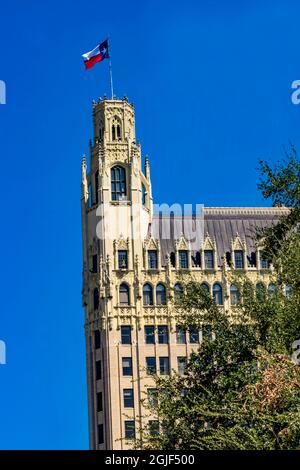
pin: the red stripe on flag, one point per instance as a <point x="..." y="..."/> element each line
<point x="92" y="61"/>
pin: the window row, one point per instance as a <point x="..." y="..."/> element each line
<point x="160" y="334"/>
<point x="185" y="260"/>
<point x="161" y="293"/>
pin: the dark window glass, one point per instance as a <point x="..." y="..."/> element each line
<point x="128" y="398"/>
<point x="163" y="334"/>
<point x="127" y="366"/>
<point x="152" y="259"/>
<point x="124" y="294"/>
<point x="164" y="365"/>
<point x="99" y="401"/>
<point x="194" y="335"/>
<point x="118" y="183"/>
<point x="218" y="294"/>
<point x="96" y="186"/>
<point x="205" y="286"/>
<point x="97" y="339"/>
<point x="126" y="334"/>
<point x="95" y="264"/>
<point x="260" y="291"/>
<point x="181" y="364"/>
<point x="147" y="294"/>
<point x="178" y="291"/>
<point x="264" y="262"/>
<point x="119" y="131"/>
<point x="100" y="434"/>
<point x="173" y="259"/>
<point x="129" y="429"/>
<point x="180" y="335"/>
<point x="96" y="299"/>
<point x="89" y="201"/>
<point x="206" y="333"/>
<point x="113" y="132"/>
<point x="123" y="259"/>
<point x="152" y="397"/>
<point x="183" y="259"/>
<point x="98" y="370"/>
<point x="208" y="259"/>
<point x="234" y="295"/>
<point x="150" y="334"/>
<point x="161" y="295"/>
<point x="271" y="290"/>
<point x="239" y="259"/>
<point x="153" y="427"/>
<point x="151" y="365"/>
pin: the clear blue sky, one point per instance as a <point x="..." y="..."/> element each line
<point x="211" y="84"/>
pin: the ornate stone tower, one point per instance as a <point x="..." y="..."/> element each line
<point x="132" y="272"/>
<point x="116" y="212"/>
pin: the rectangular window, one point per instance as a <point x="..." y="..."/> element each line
<point x="152" y="259"/>
<point x="180" y="335"/>
<point x="151" y="365"/>
<point x="97" y="339"/>
<point x="239" y="259"/>
<point x="100" y="434"/>
<point x="152" y="397"/>
<point x="206" y="333"/>
<point x="99" y="402"/>
<point x="129" y="429"/>
<point x="95" y="263"/>
<point x="194" y="335"/>
<point x="208" y="259"/>
<point x="127" y="366"/>
<point x="264" y="262"/>
<point x="98" y="370"/>
<point x="181" y="364"/>
<point x="128" y="397"/>
<point x="183" y="259"/>
<point x="126" y="334"/>
<point x="153" y="427"/>
<point x="163" y="334"/>
<point x="122" y="259"/>
<point x="149" y="334"/>
<point x="164" y="365"/>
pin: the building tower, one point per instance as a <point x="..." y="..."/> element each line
<point x="116" y="212"/>
<point x="131" y="275"/>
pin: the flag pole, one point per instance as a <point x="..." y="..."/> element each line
<point x="110" y="72"/>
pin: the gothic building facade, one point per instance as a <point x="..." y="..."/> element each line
<point x="130" y="277"/>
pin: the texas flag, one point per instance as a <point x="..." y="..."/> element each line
<point x="96" y="55"/>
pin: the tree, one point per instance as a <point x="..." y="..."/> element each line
<point x="241" y="390"/>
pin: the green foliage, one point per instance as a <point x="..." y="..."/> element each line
<point x="240" y="389"/>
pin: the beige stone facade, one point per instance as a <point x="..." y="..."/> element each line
<point x="129" y="275"/>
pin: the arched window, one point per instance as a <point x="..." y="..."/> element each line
<point x="96" y="299"/>
<point x="147" y="294"/>
<point x="271" y="289"/>
<point x="143" y="195"/>
<point x="96" y="186"/>
<point x="218" y="294"/>
<point x="234" y="295"/>
<point x="118" y="183"/>
<point x="204" y="286"/>
<point x="177" y="292"/>
<point x="124" y="294"/>
<point x="161" y="298"/>
<point x="260" y="291"/>
<point x="118" y="131"/>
